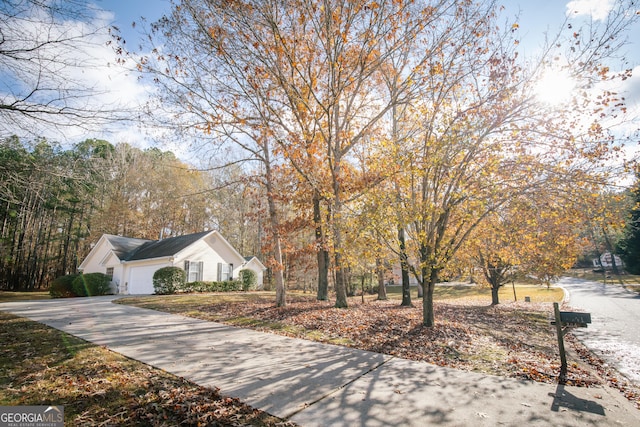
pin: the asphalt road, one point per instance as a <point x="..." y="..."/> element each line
<point x="614" y="333"/>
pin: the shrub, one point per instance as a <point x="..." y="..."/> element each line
<point x="91" y="284"/>
<point x="62" y="287"/>
<point x="248" y="278"/>
<point x="231" y="285"/>
<point x="194" y="287"/>
<point x="226" y="286"/>
<point x="168" y="280"/>
<point x="187" y="287"/>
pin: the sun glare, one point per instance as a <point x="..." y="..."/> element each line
<point x="555" y="87"/>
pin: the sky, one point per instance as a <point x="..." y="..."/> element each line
<point x="535" y="17"/>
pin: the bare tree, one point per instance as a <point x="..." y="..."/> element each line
<point x="44" y="50"/>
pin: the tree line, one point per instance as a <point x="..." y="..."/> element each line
<point x="56" y="202"/>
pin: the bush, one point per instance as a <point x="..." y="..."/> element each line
<point x="195" y="287"/>
<point x="91" y="284"/>
<point x="231" y="285"/>
<point x="226" y="286"/>
<point x="168" y="280"/>
<point x="248" y="278"/>
<point x="62" y="287"/>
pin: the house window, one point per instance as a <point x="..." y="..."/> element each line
<point x="225" y="272"/>
<point x="194" y="270"/>
<point x="110" y="272"/>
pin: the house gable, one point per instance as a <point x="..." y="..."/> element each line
<point x="213" y="256"/>
<point x="94" y="260"/>
<point x="254" y="264"/>
<point x="110" y="259"/>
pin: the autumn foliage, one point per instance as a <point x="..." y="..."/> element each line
<point x="422" y="116"/>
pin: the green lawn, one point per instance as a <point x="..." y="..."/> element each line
<point x="446" y="291"/>
<point x="443" y="291"/>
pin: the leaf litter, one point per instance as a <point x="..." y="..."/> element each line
<point x="101" y="388"/>
<point x="514" y="339"/>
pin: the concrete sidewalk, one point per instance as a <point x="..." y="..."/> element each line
<point x="316" y="384"/>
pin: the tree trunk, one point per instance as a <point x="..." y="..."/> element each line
<point x="614" y="266"/>
<point x="67" y="240"/>
<point x="278" y="272"/>
<point x="341" y="273"/>
<point x="494" y="294"/>
<point x="430" y="278"/>
<point x="322" y="253"/>
<point x="281" y="299"/>
<point x="404" y="268"/>
<point x="382" y="290"/>
<point x="427" y="304"/>
<point x="341" y="285"/>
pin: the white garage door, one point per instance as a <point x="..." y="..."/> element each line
<point x="141" y="280"/>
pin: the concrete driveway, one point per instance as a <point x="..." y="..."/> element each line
<point x="316" y="384"/>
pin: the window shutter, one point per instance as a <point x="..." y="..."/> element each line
<point x="186" y="269"/>
<point x="200" y="268"/>
<point x="230" y="271"/>
<point x="219" y="272"/>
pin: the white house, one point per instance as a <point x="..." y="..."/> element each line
<point x="606" y="261"/>
<point x="396" y="276"/>
<point x="131" y="263"/>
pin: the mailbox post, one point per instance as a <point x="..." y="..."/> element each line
<point x="564" y="320"/>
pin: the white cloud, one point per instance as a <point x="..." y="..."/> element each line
<point x="597" y="9"/>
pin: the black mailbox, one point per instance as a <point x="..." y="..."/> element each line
<point x="572" y="318"/>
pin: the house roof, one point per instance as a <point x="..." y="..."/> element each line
<point x="162" y="248"/>
<point x="124" y="245"/>
<point x="131" y="249"/>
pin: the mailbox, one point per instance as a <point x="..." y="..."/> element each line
<point x="567" y="320"/>
<point x="575" y="319"/>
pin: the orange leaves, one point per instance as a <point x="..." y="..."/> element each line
<point x="436" y="69"/>
<point x="373" y="5"/>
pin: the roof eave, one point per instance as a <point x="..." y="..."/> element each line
<point x="169" y="257"/>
